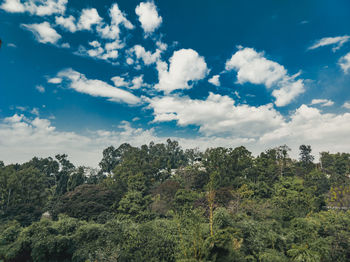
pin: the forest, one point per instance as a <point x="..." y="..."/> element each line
<point x="159" y="202"/>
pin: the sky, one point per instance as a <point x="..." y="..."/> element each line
<point x="79" y="76"/>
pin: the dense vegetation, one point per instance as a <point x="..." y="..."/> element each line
<point x="161" y="203"/>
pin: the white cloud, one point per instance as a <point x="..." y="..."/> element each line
<point x="162" y="46"/>
<point x="253" y="67"/>
<point x="148" y="16"/>
<point x="55" y="80"/>
<point x="346" y="105"/>
<point x="67" y="23"/>
<point x="338" y="42"/>
<point x="43" y="32"/>
<point x="324" y="132"/>
<point x="119" y="81"/>
<point x="129" y="61"/>
<point x="40" y="88"/>
<point x="46" y="7"/>
<point x="344" y="63"/>
<point x="98" y="88"/>
<point x="21" y="138"/>
<point x="118" y="18"/>
<point x="11" y="45"/>
<point x="108" y="52"/>
<point x="13" y="6"/>
<point x="216" y="115"/>
<point x="322" y="102"/>
<point x="185" y="65"/>
<point x="35" y="7"/>
<point x="147" y="57"/>
<point x="65" y="45"/>
<point x="137" y="82"/>
<point x="258" y="128"/>
<point x="289" y="90"/>
<point x="215" y="80"/>
<point x="88" y="18"/>
<point x="35" y="111"/>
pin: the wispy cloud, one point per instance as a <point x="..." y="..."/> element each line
<point x="43" y="32"/>
<point x="337" y="42"/>
<point x="322" y="102"/>
<point x="97" y="88"/>
<point x="35" y="7"/>
<point x="40" y="88"/>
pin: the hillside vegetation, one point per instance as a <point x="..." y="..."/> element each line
<point x="159" y="202"/>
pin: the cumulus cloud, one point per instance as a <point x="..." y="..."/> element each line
<point x="109" y="52"/>
<point x="253" y="67"/>
<point x="97" y="88"/>
<point x="88" y="18"/>
<point x="118" y="18"/>
<point x="43" y="32"/>
<point x="147" y="57"/>
<point x="256" y="127"/>
<point x="322" y="102"/>
<point x="186" y="66"/>
<point x="215" y="80"/>
<point x="135" y="83"/>
<point x="67" y="23"/>
<point x="307" y="125"/>
<point x="13" y="6"/>
<point x="344" y="63"/>
<point x="148" y="16"/>
<point x="346" y="105"/>
<point x="35" y="7"/>
<point x="337" y="42"/>
<point x="216" y="115"/>
<point x="119" y="81"/>
<point x="21" y="137"/>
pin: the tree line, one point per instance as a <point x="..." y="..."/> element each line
<point x="159" y="202"/>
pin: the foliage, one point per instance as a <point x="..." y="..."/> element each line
<point x="159" y="202"/>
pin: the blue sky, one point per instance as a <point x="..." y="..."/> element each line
<point x="78" y="76"/>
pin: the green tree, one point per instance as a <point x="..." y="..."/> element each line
<point x="22" y="194"/>
<point x="306" y="159"/>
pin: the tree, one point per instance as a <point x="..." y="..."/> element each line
<point x="22" y="194"/>
<point x="76" y="179"/>
<point x="86" y="202"/>
<point x="135" y="202"/>
<point x="306" y="158"/>
<point x="111" y="158"/>
<point x="66" y="168"/>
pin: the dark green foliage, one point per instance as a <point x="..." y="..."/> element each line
<point x="306" y="159"/>
<point x="86" y="202"/>
<point x="22" y="194"/>
<point x="158" y="202"/>
<point x="336" y="166"/>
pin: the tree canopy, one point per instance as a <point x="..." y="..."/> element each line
<point x="158" y="202"/>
